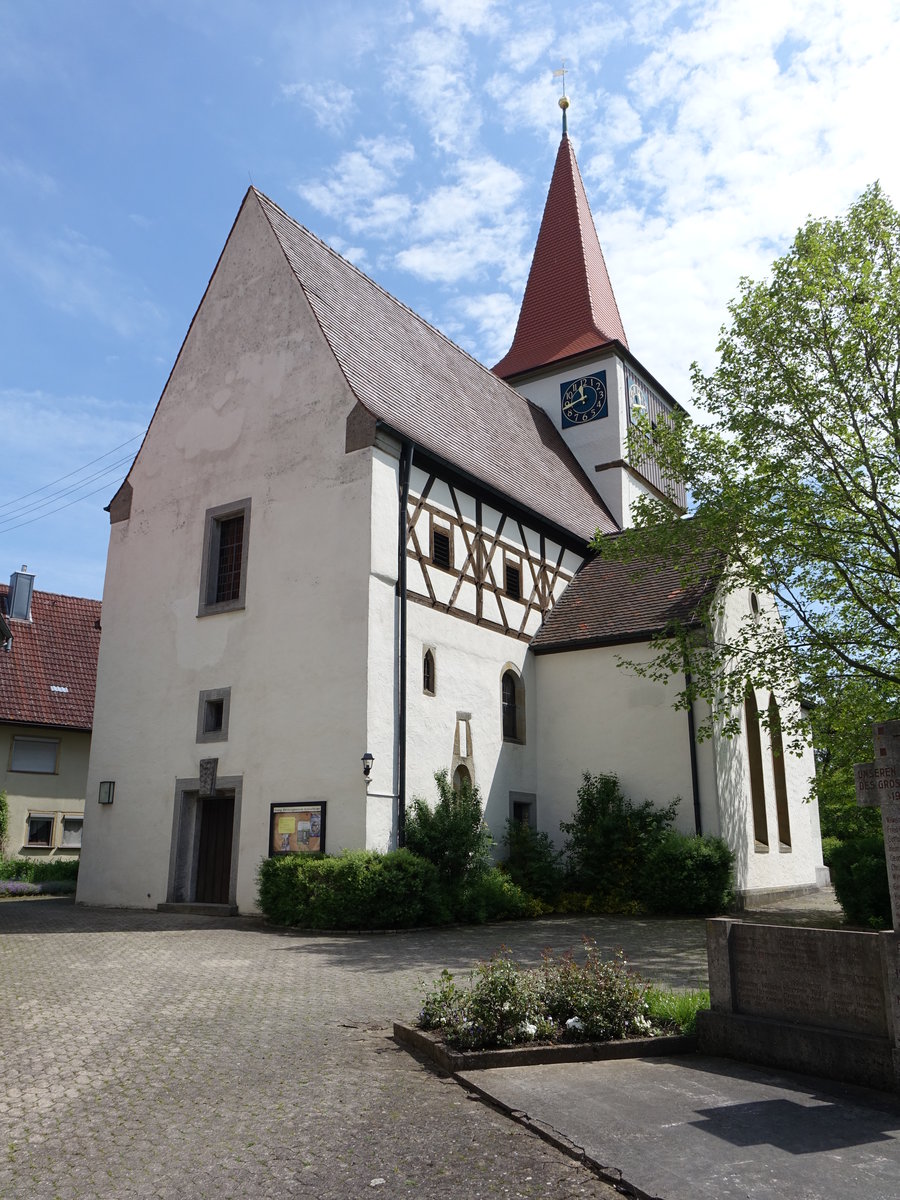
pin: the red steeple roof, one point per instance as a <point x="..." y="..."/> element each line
<point x="569" y="304"/>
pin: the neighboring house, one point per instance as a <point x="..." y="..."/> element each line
<point x="48" y="672"/>
<point x="344" y="539"/>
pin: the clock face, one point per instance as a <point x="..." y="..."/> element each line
<point x="583" y="399"/>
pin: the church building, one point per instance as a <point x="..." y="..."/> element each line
<point x="347" y="555"/>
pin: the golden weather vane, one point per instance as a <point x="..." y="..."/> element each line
<point x="564" y="99"/>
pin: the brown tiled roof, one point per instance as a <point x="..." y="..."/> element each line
<point x="417" y="382"/>
<point x="610" y="602"/>
<point x="569" y="306"/>
<point x="49" y="675"/>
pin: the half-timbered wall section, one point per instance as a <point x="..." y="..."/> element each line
<point x="470" y="558"/>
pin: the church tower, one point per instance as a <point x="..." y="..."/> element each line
<point x="570" y="354"/>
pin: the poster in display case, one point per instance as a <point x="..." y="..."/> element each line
<point x="297" y="828"/>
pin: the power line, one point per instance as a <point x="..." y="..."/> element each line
<point x="43" y="516"/>
<point x="77" y="471"/>
<point x="109" y="469"/>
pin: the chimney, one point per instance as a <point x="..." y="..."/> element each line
<point x="18" y="601"/>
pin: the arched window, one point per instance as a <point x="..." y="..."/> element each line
<point x="781" y="796"/>
<point x="512" y="703"/>
<point x="461" y="777"/>
<point x="428" y="676"/>
<point x="757" y="785"/>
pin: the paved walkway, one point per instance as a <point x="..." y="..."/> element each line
<point x="153" y="1055"/>
<point x="157" y="1055"/>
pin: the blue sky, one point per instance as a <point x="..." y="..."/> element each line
<point x="415" y="136"/>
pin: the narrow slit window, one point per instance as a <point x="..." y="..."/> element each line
<point x="755" y="763"/>
<point x="428" y="678"/>
<point x="781" y="794"/>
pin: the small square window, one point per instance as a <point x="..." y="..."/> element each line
<point x="37" y="756"/>
<point x="70" y="835"/>
<point x="212" y="722"/>
<point x="223" y="578"/>
<point x="40" y="830"/>
<point x="213" y="712"/>
<point x="523" y="808"/>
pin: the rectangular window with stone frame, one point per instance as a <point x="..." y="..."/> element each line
<point x="223" y="576"/>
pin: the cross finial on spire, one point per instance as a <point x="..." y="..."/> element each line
<point x="564" y="99"/>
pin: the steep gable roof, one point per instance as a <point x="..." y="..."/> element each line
<point x="569" y="306"/>
<point x="417" y="382"/>
<point x="609" y="602"/>
<point x="49" y="675"/>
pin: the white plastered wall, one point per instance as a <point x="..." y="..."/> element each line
<point x="595" y="716"/>
<point x="777" y="867"/>
<point x="255" y="407"/>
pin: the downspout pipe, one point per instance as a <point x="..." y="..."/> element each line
<point x="406" y="458"/>
<point x="692" y="741"/>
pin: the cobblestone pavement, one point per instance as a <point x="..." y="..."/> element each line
<point x="152" y="1055"/>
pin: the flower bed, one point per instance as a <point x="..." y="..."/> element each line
<point x="561" y="1001"/>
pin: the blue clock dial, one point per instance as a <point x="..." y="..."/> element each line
<point x="583" y="399"/>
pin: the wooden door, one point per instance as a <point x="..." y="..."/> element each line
<point x="214" y="851"/>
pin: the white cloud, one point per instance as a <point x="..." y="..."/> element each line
<point x="330" y="102"/>
<point x="463" y="228"/>
<point x="359" y="189"/>
<point x="19" y="172"/>
<point x="472" y="16"/>
<point x="81" y="279"/>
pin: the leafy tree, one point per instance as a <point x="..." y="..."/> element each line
<point x="794" y="484"/>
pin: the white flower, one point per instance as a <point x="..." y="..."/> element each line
<point x="574" y="1024"/>
<point x="528" y="1029"/>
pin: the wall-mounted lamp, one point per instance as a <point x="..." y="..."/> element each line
<point x="107" y="791"/>
<point x="367" y="760"/>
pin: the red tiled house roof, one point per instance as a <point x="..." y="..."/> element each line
<point x="49" y="675"/>
<point x="569" y="306"/>
<point x="417" y="382"/>
<point x="609" y="602"/>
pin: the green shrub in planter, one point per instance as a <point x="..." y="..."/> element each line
<point x="688" y="874"/>
<point x="359" y="889"/>
<point x="859" y="875"/>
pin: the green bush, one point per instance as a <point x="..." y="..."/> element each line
<point x="490" y="895"/>
<point x="688" y="874"/>
<point x="829" y="845"/>
<point x="859" y="875"/>
<point x="610" y="839"/>
<point x="532" y="863"/>
<point x="39" y="870"/>
<point x="359" y="889"/>
<point x="452" y="835"/>
<point x="562" y="1000"/>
